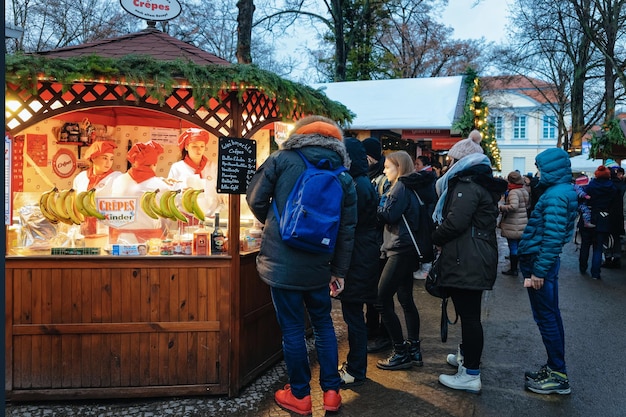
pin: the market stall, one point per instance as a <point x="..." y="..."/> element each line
<point x="90" y="318"/>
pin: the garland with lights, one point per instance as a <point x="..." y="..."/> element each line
<point x="475" y="117"/>
<point x="161" y="77"/>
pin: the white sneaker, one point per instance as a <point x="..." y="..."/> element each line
<point x="462" y="381"/>
<point x="455" y="359"/>
<point x="422" y="272"/>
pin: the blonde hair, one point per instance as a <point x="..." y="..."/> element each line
<point x="403" y="161"/>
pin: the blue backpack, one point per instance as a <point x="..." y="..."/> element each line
<point x="312" y="212"/>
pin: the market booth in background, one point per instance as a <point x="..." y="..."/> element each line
<point x="85" y="319"/>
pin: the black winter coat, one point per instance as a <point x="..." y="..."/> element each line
<point x="467" y="235"/>
<point x="361" y="283"/>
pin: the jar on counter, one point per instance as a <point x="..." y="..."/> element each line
<point x="185" y="246"/>
<point x="167" y="247"/>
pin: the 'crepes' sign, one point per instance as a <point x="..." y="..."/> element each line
<point x="157" y="10"/>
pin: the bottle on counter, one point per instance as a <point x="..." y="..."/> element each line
<point x="218" y="240"/>
<point x="200" y="246"/>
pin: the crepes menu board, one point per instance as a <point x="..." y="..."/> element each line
<point x="236" y="160"/>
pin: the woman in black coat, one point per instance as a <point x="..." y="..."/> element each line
<point x="362" y="278"/>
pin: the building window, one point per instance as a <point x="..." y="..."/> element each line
<point x="519" y="164"/>
<point x="498" y="124"/>
<point x="519" y="127"/>
<point x="549" y="127"/>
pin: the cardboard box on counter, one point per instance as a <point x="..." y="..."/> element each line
<point x="136" y="249"/>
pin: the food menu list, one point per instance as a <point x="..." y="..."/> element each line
<point x="236" y="164"/>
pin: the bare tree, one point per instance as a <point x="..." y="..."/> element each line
<point x="604" y="24"/>
<point x="416" y="45"/>
<point x="547" y="43"/>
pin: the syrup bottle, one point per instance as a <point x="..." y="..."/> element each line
<point x="217" y="238"/>
<point x="200" y="246"/>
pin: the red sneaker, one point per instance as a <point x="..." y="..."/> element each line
<point x="332" y="400"/>
<point x="285" y="399"/>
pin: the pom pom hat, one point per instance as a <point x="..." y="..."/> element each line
<point x="99" y="148"/>
<point x="602" y="172"/>
<point x="192" y="135"/>
<point x="582" y="180"/>
<point x="145" y="153"/>
<point x="466" y="146"/>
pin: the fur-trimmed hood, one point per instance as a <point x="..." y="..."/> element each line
<point x="297" y="141"/>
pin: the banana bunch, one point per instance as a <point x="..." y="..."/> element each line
<point x="189" y="202"/>
<point x="86" y="204"/>
<point x="165" y="206"/>
<point x="68" y="206"/>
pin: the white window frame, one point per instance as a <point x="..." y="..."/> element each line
<point x="498" y="124"/>
<point x="548" y="130"/>
<point x="519" y="127"/>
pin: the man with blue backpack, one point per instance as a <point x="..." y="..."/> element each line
<point x="307" y="202"/>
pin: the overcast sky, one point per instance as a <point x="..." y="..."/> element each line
<point x="487" y="19"/>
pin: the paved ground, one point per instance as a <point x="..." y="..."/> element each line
<point x="594" y="317"/>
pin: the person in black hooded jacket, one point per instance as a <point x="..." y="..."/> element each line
<point x="398" y="209"/>
<point x="361" y="281"/>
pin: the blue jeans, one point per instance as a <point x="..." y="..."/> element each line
<point x="357" y="338"/>
<point x="397" y="278"/>
<point x="290" y="312"/>
<point x="544" y="303"/>
<point x="591" y="238"/>
<point x="513" y="244"/>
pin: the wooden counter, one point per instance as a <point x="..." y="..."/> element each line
<point x="108" y="327"/>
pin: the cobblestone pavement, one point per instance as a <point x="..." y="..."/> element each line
<point x="511" y="337"/>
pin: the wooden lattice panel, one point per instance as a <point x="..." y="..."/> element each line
<point x="225" y="117"/>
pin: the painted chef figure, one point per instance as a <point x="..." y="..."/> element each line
<point x="195" y="170"/>
<point x="99" y="175"/>
<point x="141" y="177"/>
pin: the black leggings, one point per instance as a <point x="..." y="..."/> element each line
<point x="467" y="304"/>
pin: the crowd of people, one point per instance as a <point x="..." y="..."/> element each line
<point x="376" y="260"/>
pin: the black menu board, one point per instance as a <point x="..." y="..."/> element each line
<point x="236" y="164"/>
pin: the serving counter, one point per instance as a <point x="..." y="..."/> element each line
<point x="109" y="327"/>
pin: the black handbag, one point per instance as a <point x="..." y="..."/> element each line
<point x="433" y="281"/>
<point x="434" y="288"/>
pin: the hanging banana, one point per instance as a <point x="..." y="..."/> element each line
<point x="195" y="207"/>
<point x="171" y="205"/>
<point x="43" y="206"/>
<point x="89" y="203"/>
<point x="71" y="209"/>
<point x="144" y="203"/>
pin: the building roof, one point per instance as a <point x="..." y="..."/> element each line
<point x="540" y="91"/>
<point x="406" y="103"/>
<point x="150" y="41"/>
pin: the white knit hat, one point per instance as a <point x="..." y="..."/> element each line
<point x="466" y="146"/>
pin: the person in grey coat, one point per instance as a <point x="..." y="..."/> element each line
<point x="299" y="280"/>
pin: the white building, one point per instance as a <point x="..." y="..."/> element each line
<point x="525" y="122"/>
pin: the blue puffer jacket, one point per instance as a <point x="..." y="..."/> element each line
<point x="552" y="222"/>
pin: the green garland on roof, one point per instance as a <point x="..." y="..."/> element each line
<point x="159" y="77"/>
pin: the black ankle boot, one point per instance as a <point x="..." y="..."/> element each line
<point x="414" y="352"/>
<point x="399" y="358"/>
<point x="513" y="270"/>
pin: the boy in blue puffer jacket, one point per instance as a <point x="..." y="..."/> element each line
<point x="549" y="228"/>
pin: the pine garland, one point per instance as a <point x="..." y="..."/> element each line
<point x="160" y="77"/>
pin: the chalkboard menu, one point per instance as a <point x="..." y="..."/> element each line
<point x="236" y="159"/>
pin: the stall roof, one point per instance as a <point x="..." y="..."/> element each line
<point x="150" y="41"/>
<point x="407" y="103"/>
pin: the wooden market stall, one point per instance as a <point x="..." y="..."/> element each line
<point x="102" y="326"/>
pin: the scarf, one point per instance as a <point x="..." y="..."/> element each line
<point x="141" y="173"/>
<point x="441" y="186"/>
<point x="197" y="168"/>
<point x="94" y="179"/>
<point x="512" y="186"/>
